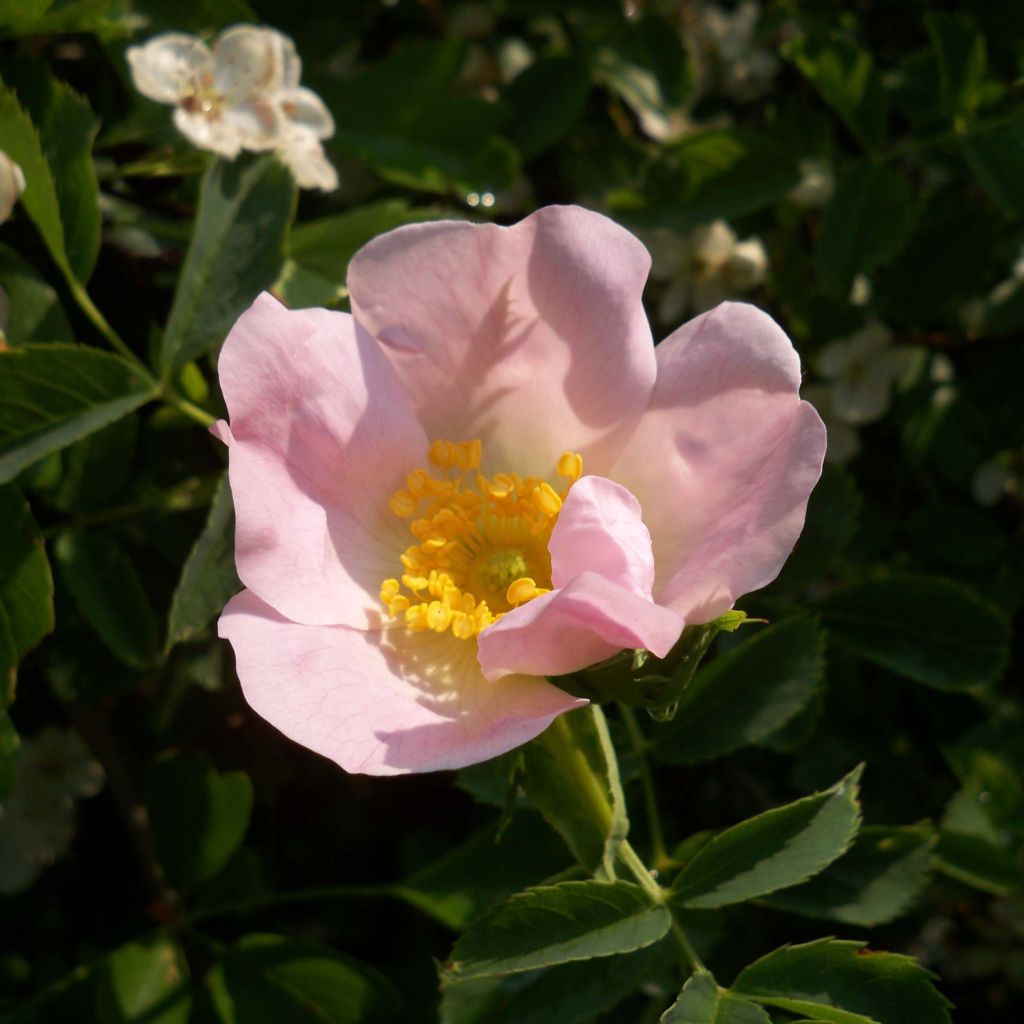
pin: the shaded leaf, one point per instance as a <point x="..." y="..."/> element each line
<point x="994" y="152"/>
<point x="774" y="850"/>
<point x="269" y="979"/>
<point x="145" y="982"/>
<point x="109" y="594"/>
<point x="931" y="630"/>
<point x="703" y="1002"/>
<point x="26" y="586"/>
<point x="546" y="101"/>
<point x="557" y="924"/>
<point x="876" y="881"/>
<point x="844" y="983"/>
<point x="237" y="250"/>
<point x="199" y="816"/>
<point x="53" y="395"/>
<point x="208" y="577"/>
<point x="744" y="696"/>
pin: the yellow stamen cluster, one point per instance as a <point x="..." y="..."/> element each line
<point x="481" y="542"/>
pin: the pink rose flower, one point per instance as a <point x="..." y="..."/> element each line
<point x="486" y="475"/>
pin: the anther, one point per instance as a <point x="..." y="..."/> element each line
<point x="571" y="465"/>
<point x="546" y="499"/>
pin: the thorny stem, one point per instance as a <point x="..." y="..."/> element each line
<point x="658" y="852"/>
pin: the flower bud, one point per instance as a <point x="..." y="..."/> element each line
<point x="12" y="184"/>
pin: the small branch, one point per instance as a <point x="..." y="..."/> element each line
<point x="659" y="853"/>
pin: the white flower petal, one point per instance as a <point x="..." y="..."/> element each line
<point x="206" y="133"/>
<point x="303" y="154"/>
<point x="12" y="184"/>
<point x="748" y="264"/>
<point x="251" y="62"/>
<point x="258" y="124"/>
<point x="306" y="110"/>
<point x="166" y="67"/>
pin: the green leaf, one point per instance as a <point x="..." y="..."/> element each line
<point x="237" y="250"/>
<point x="567" y="994"/>
<point x="995" y="152"/>
<point x="931" y="630"/>
<point x="9" y="744"/>
<point x="864" y="224"/>
<point x="877" y="880"/>
<point x="53" y="395"/>
<point x="848" y="81"/>
<point x="269" y="979"/>
<point x="199" y="816"/>
<point x="319" y="251"/>
<point x="67" y="128"/>
<point x="557" y="924"/>
<point x="26" y="586"/>
<point x="717" y="174"/>
<point x="744" y="696"/>
<point x="492" y="865"/>
<point x="208" y="577"/>
<point x="35" y="313"/>
<point x="571" y="776"/>
<point x="960" y="50"/>
<point x="832" y="515"/>
<point x="145" y="982"/>
<point x="546" y="100"/>
<point x="774" y="850"/>
<point x="109" y="594"/>
<point x="843" y="983"/>
<point x="703" y="1002"/>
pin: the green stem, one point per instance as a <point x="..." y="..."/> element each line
<point x="691" y="961"/>
<point x="658" y="852"/>
<point x="190" y="409"/>
<point x="99" y="321"/>
<point x="639" y="870"/>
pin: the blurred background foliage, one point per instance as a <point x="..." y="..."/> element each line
<point x="855" y="169"/>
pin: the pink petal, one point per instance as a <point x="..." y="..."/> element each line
<point x="384" y="710"/>
<point x="724" y="460"/>
<point x="589" y="619"/>
<point x="322" y="434"/>
<point x="600" y="529"/>
<point x="532" y="337"/>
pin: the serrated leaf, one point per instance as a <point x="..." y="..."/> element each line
<point x="107" y="590"/>
<point x="26" y="586"/>
<point x="571" y="775"/>
<point x="744" y="696"/>
<point x="67" y="127"/>
<point x="864" y="224"/>
<point x="566" y="994"/>
<point x="931" y="630"/>
<point x="199" y="816"/>
<point x="237" y="250"/>
<point x="145" y="982"/>
<point x="847" y="80"/>
<point x="776" y="849"/>
<point x="703" y="1002"/>
<point x="557" y="924"/>
<point x="960" y="50"/>
<point x="35" y="310"/>
<point x="844" y="983"/>
<point x="53" y="395"/>
<point x="876" y="881"/>
<point x="269" y="979"/>
<point x="208" y="577"/>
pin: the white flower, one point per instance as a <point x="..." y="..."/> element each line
<point x="862" y="369"/>
<point x="705" y="267"/>
<point x="744" y="69"/>
<point x="816" y="184"/>
<point x="37" y="822"/>
<point x="12" y="184"/>
<point x="244" y="93"/>
<point x="225" y="97"/>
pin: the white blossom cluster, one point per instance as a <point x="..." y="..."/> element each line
<point x="740" y="66"/>
<point x="52" y="771"/>
<point x="703" y="268"/>
<point x="859" y="372"/>
<point x="241" y="93"/>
